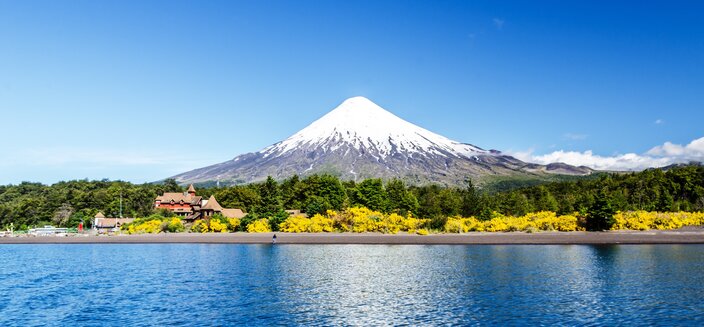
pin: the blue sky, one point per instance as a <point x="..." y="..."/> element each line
<point x="142" y="90"/>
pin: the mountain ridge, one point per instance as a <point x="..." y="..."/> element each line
<point x="359" y="139"/>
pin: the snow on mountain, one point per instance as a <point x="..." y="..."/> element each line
<point x="362" y="124"/>
<point x="358" y="140"/>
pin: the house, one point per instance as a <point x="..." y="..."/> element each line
<point x="182" y="204"/>
<point x="190" y="207"/>
<point x="105" y="225"/>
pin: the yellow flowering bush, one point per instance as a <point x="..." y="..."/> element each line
<point x="320" y="223"/>
<point x="358" y="220"/>
<point x="173" y="225"/>
<point x="548" y="220"/>
<point x="463" y="225"/>
<point x="643" y="220"/>
<point x="216" y="226"/>
<point x="544" y="220"/>
<point x="199" y="226"/>
<point x="295" y="224"/>
<point x="147" y="227"/>
<point x="299" y="224"/>
<point x="233" y="224"/>
<point x="496" y="225"/>
<point x="422" y="231"/>
<point x="259" y="226"/>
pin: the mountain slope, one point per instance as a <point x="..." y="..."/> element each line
<point x="358" y="140"/>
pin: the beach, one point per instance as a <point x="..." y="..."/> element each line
<point x="682" y="236"/>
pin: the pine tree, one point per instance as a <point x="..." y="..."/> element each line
<point x="471" y="200"/>
<point x="601" y="214"/>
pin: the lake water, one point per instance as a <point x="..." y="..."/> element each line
<point x="207" y="284"/>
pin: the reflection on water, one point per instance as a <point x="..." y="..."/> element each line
<point x="186" y="284"/>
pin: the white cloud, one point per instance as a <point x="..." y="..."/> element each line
<point x="694" y="150"/>
<point x="658" y="156"/>
<point x="499" y="23"/>
<point x="659" y="121"/>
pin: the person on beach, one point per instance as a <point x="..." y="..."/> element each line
<point x="273" y="239"/>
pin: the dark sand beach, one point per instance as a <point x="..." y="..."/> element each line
<point x="682" y="236"/>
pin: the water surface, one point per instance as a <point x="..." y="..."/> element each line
<point x="211" y="284"/>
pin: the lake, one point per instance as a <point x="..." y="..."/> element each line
<point x="228" y="284"/>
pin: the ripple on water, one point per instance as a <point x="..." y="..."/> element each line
<point x="320" y="285"/>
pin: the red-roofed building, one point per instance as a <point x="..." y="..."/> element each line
<point x="191" y="207"/>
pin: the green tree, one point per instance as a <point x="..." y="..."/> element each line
<point x="324" y="191"/>
<point x="270" y="206"/>
<point x="471" y="200"/>
<point x="370" y="193"/>
<point x="170" y="185"/>
<point x="316" y="204"/>
<point x="270" y="198"/>
<point x="601" y="215"/>
<point x="400" y="200"/>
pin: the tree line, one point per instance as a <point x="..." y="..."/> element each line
<point x="67" y="203"/>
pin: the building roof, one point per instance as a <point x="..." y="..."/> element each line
<point x="212" y="204"/>
<point x="111" y="222"/>
<point x="296" y="213"/>
<point x="99" y="215"/>
<point x="191" y="189"/>
<point x="233" y="213"/>
<point x="178" y="197"/>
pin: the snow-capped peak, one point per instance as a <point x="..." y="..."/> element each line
<point x="362" y="124"/>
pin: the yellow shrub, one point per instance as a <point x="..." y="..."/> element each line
<point x="233" y="224"/>
<point x="295" y="224"/>
<point x="147" y="227"/>
<point x="199" y="226"/>
<point x="259" y="226"/>
<point x="319" y="223"/>
<point x="495" y="225"/>
<point x="422" y="231"/>
<point x="544" y="220"/>
<point x="217" y="227"/>
<point x="548" y="221"/>
<point x="463" y="225"/>
<point x="643" y="220"/>
<point x="316" y="224"/>
<point x="567" y="223"/>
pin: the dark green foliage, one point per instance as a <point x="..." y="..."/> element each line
<point x="276" y="219"/>
<point x="679" y="188"/>
<point x="316" y="204"/>
<point x="324" y="191"/>
<point x="270" y="199"/>
<point x="170" y="185"/>
<point x="400" y="199"/>
<point x="246" y="220"/>
<point x="370" y="193"/>
<point x="438" y="223"/>
<point x="601" y="214"/>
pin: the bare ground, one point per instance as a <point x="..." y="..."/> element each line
<point x="683" y="236"/>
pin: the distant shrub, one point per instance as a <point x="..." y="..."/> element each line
<point x="644" y="220"/>
<point x="259" y="226"/>
<point x="173" y="225"/>
<point x="233" y="224"/>
<point x="145" y="227"/>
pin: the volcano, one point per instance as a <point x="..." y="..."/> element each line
<point x="359" y="140"/>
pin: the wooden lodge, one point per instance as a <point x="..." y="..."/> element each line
<point x="190" y="207"/>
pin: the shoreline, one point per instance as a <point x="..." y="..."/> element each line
<point x="478" y="238"/>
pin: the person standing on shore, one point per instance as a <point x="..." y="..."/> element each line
<point x="273" y="239"/>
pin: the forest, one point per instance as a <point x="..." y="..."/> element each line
<point x="67" y="203"/>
